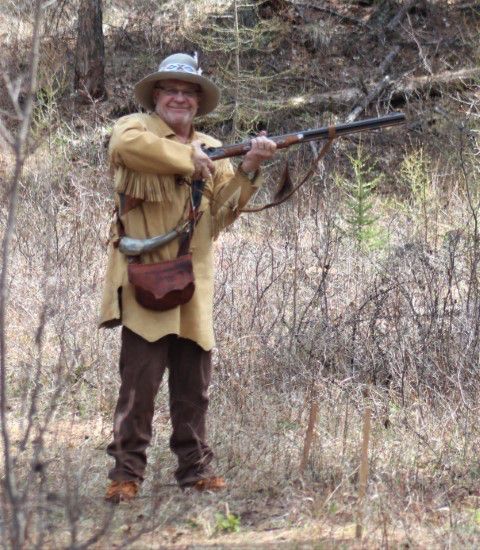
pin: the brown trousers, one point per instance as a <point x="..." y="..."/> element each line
<point x="142" y="365"/>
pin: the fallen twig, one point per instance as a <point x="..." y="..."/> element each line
<point x="335" y="13"/>
<point x="339" y="99"/>
<point x="402" y="12"/>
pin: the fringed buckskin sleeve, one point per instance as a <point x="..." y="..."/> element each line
<point x="232" y="191"/>
<point x="135" y="146"/>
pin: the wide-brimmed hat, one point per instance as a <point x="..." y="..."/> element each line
<point x="178" y="66"/>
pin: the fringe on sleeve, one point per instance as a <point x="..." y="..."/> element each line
<point x="148" y="187"/>
<point x="225" y="216"/>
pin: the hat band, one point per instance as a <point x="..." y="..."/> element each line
<point x="178" y="67"/>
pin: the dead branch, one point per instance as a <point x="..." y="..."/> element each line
<point x="389" y="58"/>
<point x="328" y="100"/>
<point x="341" y="99"/>
<point x="447" y="79"/>
<point x="475" y="6"/>
<point x="379" y="87"/>
<point x="371" y="96"/>
<point x="19" y="144"/>
<point x="402" y="12"/>
<point x="334" y="13"/>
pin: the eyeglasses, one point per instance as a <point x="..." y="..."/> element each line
<point x="173" y="92"/>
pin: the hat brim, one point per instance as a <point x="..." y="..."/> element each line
<point x="207" y="101"/>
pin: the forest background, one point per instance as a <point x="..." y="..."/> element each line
<point x="361" y="293"/>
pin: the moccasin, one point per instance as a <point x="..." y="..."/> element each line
<point x="210" y="484"/>
<point x="121" y="491"/>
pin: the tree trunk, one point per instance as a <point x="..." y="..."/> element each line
<point x="90" y="52"/>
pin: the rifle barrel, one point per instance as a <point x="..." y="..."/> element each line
<point x="358" y="126"/>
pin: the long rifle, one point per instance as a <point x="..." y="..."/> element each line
<point x="135" y="247"/>
<point x="326" y="132"/>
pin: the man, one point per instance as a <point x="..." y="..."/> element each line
<point x="154" y="158"/>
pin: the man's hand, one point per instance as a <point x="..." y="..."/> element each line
<point x="204" y="167"/>
<point x="262" y="149"/>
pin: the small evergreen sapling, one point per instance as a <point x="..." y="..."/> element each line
<point x="361" y="223"/>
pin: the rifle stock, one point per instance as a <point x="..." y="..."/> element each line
<point x="286" y="140"/>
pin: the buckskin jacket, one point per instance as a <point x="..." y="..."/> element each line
<point x="152" y="171"/>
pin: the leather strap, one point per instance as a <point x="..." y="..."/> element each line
<point x="313" y="168"/>
<point x="194" y="216"/>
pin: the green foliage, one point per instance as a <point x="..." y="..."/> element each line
<point x="227" y="523"/>
<point x="238" y="34"/>
<point x="284" y="426"/>
<point x="193" y="523"/>
<point x="333" y="508"/>
<point x="253" y="33"/>
<point x="45" y="111"/>
<point x="415" y="172"/>
<point x="361" y="223"/>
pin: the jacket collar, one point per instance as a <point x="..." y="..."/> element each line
<point x="164" y="130"/>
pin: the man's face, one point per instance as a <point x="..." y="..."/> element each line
<point x="176" y="102"/>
